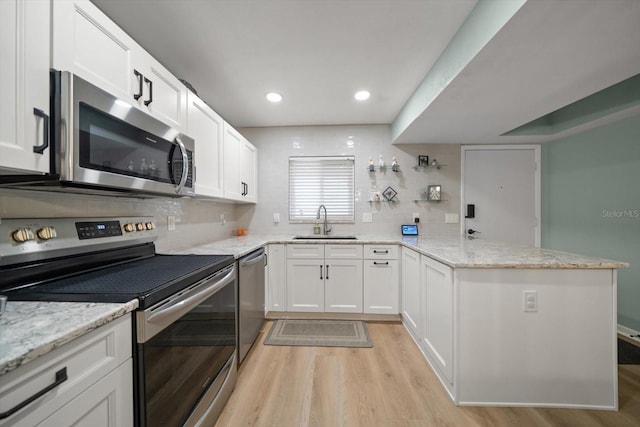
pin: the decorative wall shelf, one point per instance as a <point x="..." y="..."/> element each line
<point x="416" y="167"/>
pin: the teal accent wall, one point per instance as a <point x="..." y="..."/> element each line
<point x="591" y="202"/>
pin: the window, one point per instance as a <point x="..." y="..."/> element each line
<point x="315" y="181"/>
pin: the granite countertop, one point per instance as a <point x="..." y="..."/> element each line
<point x="29" y="329"/>
<point x="457" y="252"/>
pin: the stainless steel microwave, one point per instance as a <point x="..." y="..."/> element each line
<point x="99" y="142"/>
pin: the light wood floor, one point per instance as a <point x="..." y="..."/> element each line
<point x="388" y="385"/>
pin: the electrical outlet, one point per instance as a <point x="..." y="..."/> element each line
<point x="276" y="218"/>
<point x="416" y="218"/>
<point x="171" y="222"/>
<point x="367" y="217"/>
<point x="530" y="301"/>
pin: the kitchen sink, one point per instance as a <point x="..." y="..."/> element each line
<point x="324" y="237"/>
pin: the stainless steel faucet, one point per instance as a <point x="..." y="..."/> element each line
<point x="326" y="228"/>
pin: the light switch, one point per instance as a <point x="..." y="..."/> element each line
<point x="451" y="218"/>
<point x="367" y="217"/>
<point x="276" y="218"/>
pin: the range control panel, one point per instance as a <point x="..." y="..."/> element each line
<point x="24" y="239"/>
<point x="98" y="229"/>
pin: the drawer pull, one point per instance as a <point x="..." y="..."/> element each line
<point x="61" y="376"/>
<point x="380" y="252"/>
<point x="320" y="272"/>
<point x="380" y="263"/>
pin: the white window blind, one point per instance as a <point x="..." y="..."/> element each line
<point x="315" y="181"/>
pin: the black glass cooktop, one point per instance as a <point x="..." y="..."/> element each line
<point x="150" y="280"/>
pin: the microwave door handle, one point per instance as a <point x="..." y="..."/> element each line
<point x="185" y="165"/>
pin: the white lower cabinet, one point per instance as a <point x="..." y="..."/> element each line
<point x="276" y="278"/>
<point x="343" y="285"/>
<point x="305" y="285"/>
<point x="381" y="279"/>
<point x="97" y="391"/>
<point x="106" y="403"/>
<point x="324" y="278"/>
<point x="411" y="292"/>
<point x="437" y="339"/>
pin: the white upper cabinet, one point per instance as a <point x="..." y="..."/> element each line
<point x="206" y="128"/>
<point x="90" y="45"/>
<point x="161" y="94"/>
<point x="24" y="86"/>
<point x="240" y="172"/>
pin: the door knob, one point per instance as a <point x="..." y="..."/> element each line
<point x="472" y="231"/>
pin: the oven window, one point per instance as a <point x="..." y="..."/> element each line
<point x="112" y="145"/>
<point x="182" y="361"/>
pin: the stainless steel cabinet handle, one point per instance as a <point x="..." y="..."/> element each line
<point x="45" y="131"/>
<point x="320" y="272"/>
<point x="61" y="376"/>
<point x="380" y="252"/>
<point x="327" y="276"/>
<point x="380" y="263"/>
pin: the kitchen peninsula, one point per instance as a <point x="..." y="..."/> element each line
<point x="501" y="325"/>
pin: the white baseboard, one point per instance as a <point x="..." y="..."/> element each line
<point x="629" y="333"/>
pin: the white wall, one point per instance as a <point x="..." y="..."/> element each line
<point x="197" y="221"/>
<point x="276" y="144"/>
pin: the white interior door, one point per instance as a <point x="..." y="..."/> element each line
<point x="502" y="183"/>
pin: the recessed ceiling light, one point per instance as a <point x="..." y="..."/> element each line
<point x="363" y="95"/>
<point x="273" y="97"/>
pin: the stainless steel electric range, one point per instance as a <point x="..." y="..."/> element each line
<point x="185" y="327"/>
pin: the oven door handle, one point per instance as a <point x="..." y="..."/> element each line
<point x="187" y="304"/>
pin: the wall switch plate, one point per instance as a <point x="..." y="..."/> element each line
<point x="530" y="301"/>
<point x="222" y="220"/>
<point x="171" y="222"/>
<point x="367" y="217"/>
<point x="276" y="218"/>
<point x="416" y="217"/>
<point x="451" y="218"/>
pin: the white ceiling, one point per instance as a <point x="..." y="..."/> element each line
<point x="318" y="53"/>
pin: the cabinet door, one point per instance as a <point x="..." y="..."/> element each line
<point x="411" y="292"/>
<point x="381" y="290"/>
<point x="90" y="45"/>
<point x="276" y="278"/>
<point x="305" y="285"/>
<point x="109" y="402"/>
<point x="24" y="84"/>
<point x="206" y="128"/>
<point x="438" y="329"/>
<point x="343" y="286"/>
<point x="163" y="95"/>
<point x="233" y="188"/>
<point x="249" y="171"/>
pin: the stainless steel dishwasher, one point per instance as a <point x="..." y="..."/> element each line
<point x="250" y="300"/>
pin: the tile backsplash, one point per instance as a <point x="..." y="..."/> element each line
<point x="197" y="220"/>
<point x="276" y="144"/>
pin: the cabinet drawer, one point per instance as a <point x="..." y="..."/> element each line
<point x="86" y="360"/>
<point x="381" y="251"/>
<point x="343" y="251"/>
<point x="305" y="251"/>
